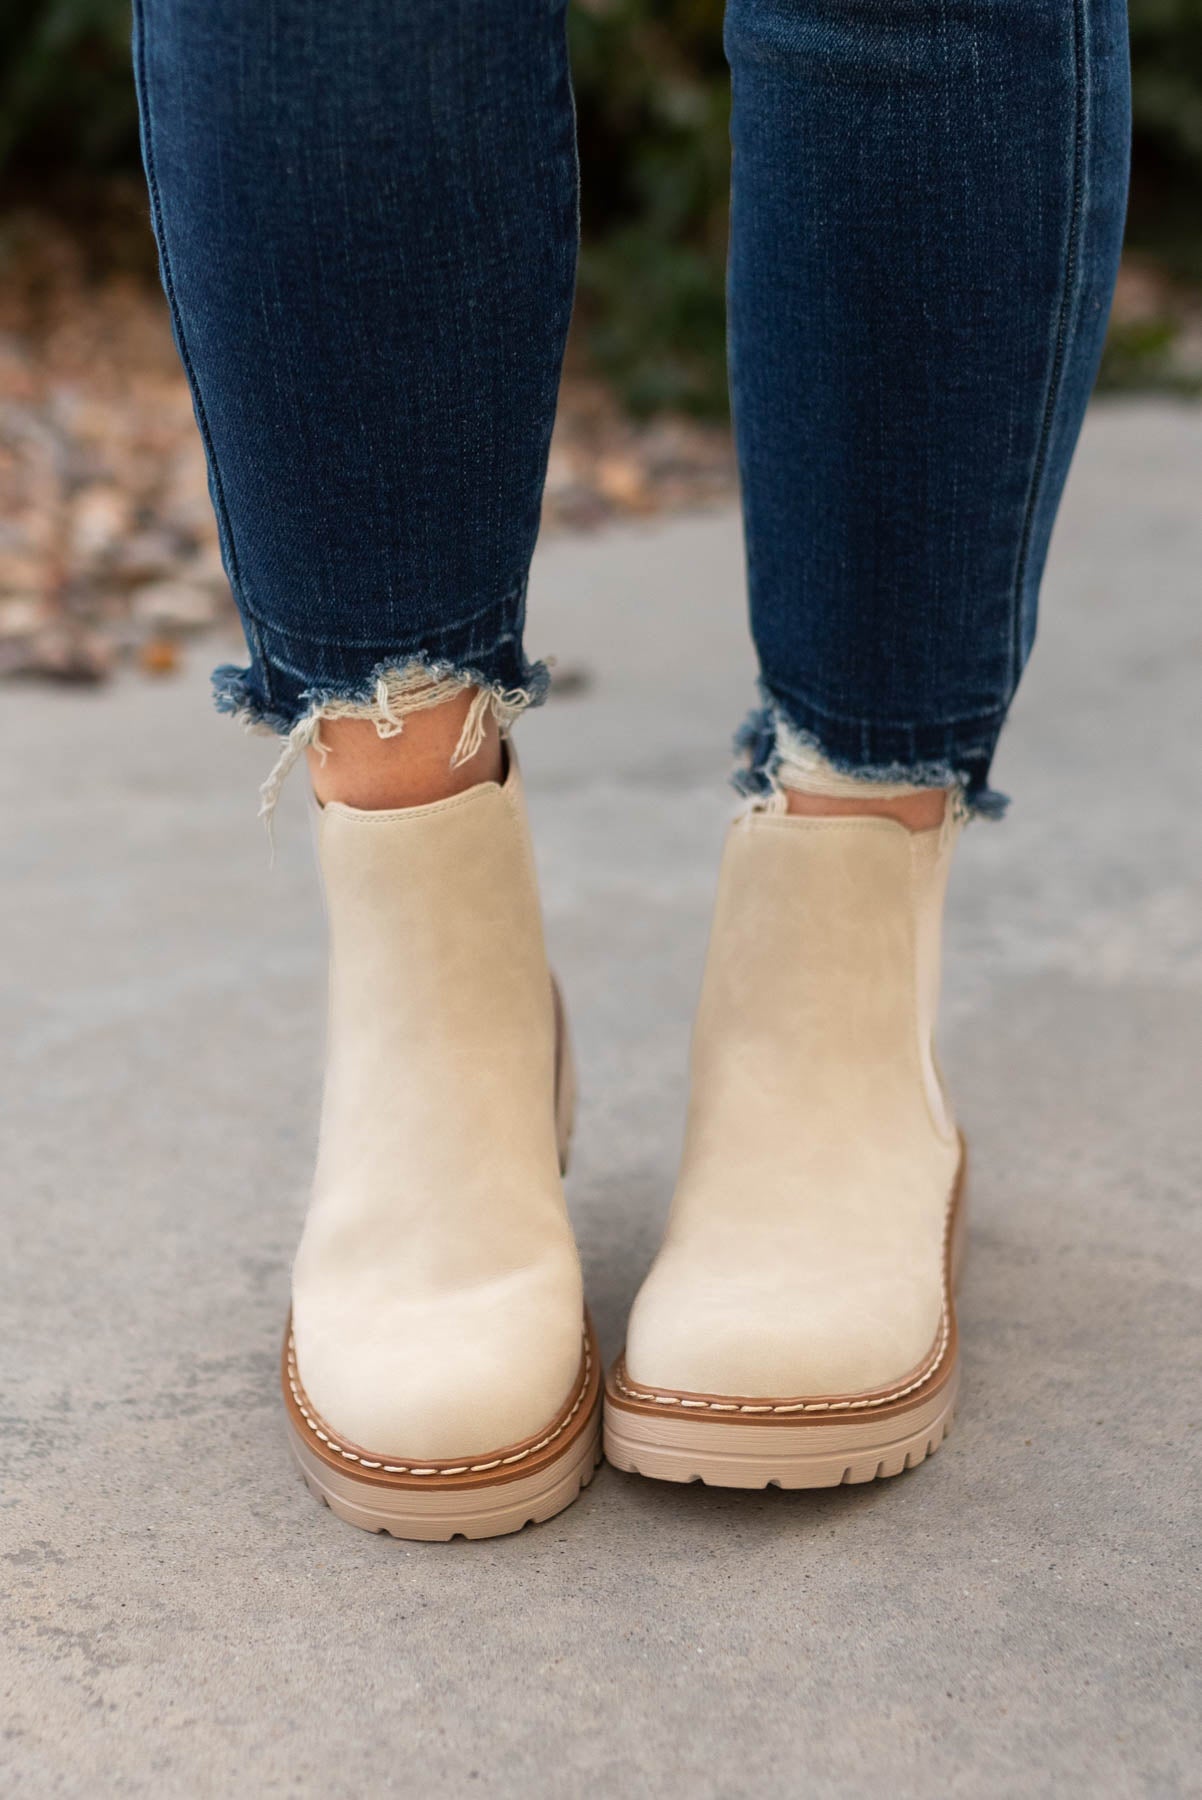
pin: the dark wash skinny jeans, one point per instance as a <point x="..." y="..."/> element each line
<point x="367" y="220"/>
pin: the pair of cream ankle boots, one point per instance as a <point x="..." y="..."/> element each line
<point x="797" y="1328"/>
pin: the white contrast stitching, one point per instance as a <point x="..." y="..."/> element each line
<point x="298" y="1394"/>
<point x="934" y="1359"/>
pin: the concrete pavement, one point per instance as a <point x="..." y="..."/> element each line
<point x="1019" y="1616"/>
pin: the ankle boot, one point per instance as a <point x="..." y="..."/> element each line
<point x="797" y="1327"/>
<point x="439" y="1374"/>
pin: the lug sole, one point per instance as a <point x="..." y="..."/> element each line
<point x="727" y="1454"/>
<point x="495" y="1493"/>
<point x="745" y="1442"/>
<point x="436" y="1516"/>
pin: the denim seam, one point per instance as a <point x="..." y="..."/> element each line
<point x="996" y="716"/>
<point x="350" y="686"/>
<point x="515" y="596"/>
<point x="202" y="418"/>
<point x="1056" y="372"/>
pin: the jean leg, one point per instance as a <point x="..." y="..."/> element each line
<point x="367" y="221"/>
<point x="927" y="207"/>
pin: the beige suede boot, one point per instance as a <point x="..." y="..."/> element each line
<point x="797" y="1327"/>
<point x="439" y="1373"/>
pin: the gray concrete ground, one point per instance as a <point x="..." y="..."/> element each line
<point x="1016" y="1617"/>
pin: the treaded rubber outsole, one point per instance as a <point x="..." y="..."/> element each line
<point x="731" y="1455"/>
<point x="435" y="1515"/>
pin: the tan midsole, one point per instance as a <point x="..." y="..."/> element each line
<point x="726" y="1440"/>
<point x="501" y="1506"/>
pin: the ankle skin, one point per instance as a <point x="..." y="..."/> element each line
<point x="411" y="767"/>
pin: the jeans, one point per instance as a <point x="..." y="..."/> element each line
<point x="367" y="223"/>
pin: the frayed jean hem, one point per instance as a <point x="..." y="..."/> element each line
<point x="392" y="689"/>
<point x="957" y="756"/>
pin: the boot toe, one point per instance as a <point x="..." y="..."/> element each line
<point x="696" y="1331"/>
<point x="462" y="1377"/>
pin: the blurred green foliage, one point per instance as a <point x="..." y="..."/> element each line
<point x="1166" y="72"/>
<point x="653" y="106"/>
<point x="66" y="97"/>
<point x="653" y="112"/>
<point x="652" y="99"/>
